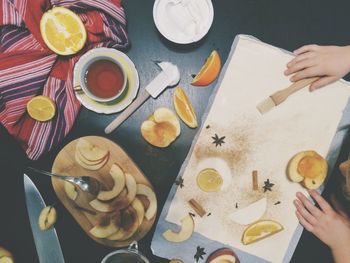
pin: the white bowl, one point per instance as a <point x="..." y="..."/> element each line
<point x="183" y="21"/>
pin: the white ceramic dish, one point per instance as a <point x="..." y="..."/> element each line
<point x="183" y="21"/>
<point x="128" y="94"/>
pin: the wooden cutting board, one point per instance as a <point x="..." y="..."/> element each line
<point x="65" y="164"/>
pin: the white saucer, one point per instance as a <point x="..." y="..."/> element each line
<point x="129" y="93"/>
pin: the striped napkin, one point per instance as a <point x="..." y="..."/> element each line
<point x="28" y="68"/>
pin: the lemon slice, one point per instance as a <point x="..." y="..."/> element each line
<point x="184" y="108"/>
<point x="41" y="108"/>
<point x="209" y="180"/>
<point x="209" y="71"/>
<point x="259" y="230"/>
<point x="62" y="31"/>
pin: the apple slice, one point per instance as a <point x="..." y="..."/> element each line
<point x="140" y="210"/>
<point x="90" y="151"/>
<point x="187" y="228"/>
<point x="128" y="225"/>
<point x="91" y="166"/>
<point x="70" y="190"/>
<point x="223" y="255"/>
<point x="107" y="226"/>
<point x="119" y="183"/>
<point x="118" y="203"/>
<point x="151" y="196"/>
<point x="47" y="217"/>
<point x="5" y="256"/>
<point x="251" y="213"/>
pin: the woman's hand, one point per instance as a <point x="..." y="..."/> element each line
<point x="326" y="224"/>
<point x="330" y="63"/>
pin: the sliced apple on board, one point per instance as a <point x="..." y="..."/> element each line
<point x="223" y="255"/>
<point x="119" y="182"/>
<point x="308" y="168"/>
<point x="47" y="217"/>
<point x="162" y="128"/>
<point x="70" y="190"/>
<point x="140" y="210"/>
<point x="5" y="256"/>
<point x="251" y="213"/>
<point x="107" y="226"/>
<point x="187" y="228"/>
<point x="90" y="156"/>
<point x="151" y="196"/>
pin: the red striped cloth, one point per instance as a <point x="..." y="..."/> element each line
<point x="28" y="68"/>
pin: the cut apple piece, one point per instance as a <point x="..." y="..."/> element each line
<point x="131" y="186"/>
<point x="107" y="226"/>
<point x="140" y="210"/>
<point x="70" y="190"/>
<point x="187" y="228"/>
<point x="118" y="203"/>
<point x="223" y="255"/>
<point x="251" y="213"/>
<point x="5" y="256"/>
<point x="119" y="183"/>
<point x="128" y="225"/>
<point x="92" y="167"/>
<point x="47" y="217"/>
<point x="308" y="168"/>
<point x="90" y="151"/>
<point x="162" y="128"/>
<point x="151" y="196"/>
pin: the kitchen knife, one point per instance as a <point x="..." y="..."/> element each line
<point x="46" y="242"/>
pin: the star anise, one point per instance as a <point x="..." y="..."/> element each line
<point x="267" y="185"/>
<point x="218" y="141"/>
<point x="180" y="182"/>
<point x="200" y="253"/>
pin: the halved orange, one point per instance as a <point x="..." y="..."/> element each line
<point x="259" y="230"/>
<point x="209" y="71"/>
<point x="184" y="108"/>
<point x="62" y="31"/>
<point x="41" y="108"/>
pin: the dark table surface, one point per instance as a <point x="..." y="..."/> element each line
<point x="286" y="24"/>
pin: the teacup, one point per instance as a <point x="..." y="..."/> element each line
<point x="129" y="255"/>
<point x="103" y="79"/>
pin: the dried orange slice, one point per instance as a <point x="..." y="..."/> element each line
<point x="184" y="108"/>
<point x="260" y="230"/>
<point x="209" y="71"/>
<point x="41" y="108"/>
<point x="63" y="31"/>
<point x="209" y="180"/>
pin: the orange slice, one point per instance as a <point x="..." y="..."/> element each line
<point x="184" y="108"/>
<point x="209" y="71"/>
<point x="41" y="108"/>
<point x="209" y="180"/>
<point x="62" y="31"/>
<point x="259" y="230"/>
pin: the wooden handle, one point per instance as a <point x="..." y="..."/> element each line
<point x="127" y="112"/>
<point x="279" y="96"/>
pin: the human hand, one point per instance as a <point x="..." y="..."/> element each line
<point x="330" y="63"/>
<point x="326" y="224"/>
<point x="344" y="168"/>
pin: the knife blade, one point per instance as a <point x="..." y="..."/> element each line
<point x="46" y="242"/>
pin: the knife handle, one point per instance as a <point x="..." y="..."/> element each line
<point x="127" y="112"/>
<point x="281" y="95"/>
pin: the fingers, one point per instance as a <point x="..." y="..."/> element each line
<point x="305" y="48"/>
<point x="302" y="221"/>
<point x="297" y="66"/>
<point x="305" y="73"/>
<point x="320" y="201"/>
<point x="308" y="205"/>
<point x="310" y="218"/>
<point x="322" y="82"/>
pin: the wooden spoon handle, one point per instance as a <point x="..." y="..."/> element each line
<point x="279" y="96"/>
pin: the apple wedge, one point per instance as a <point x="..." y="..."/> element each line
<point x="308" y="168"/>
<point x="70" y="190"/>
<point x="151" y="196"/>
<point x="119" y="183"/>
<point x="89" y="151"/>
<point x="107" y="226"/>
<point x="128" y="225"/>
<point x="251" y="213"/>
<point x="187" y="228"/>
<point x="90" y="166"/>
<point x="223" y="255"/>
<point x="140" y="210"/>
<point x="47" y="217"/>
<point x="162" y="128"/>
<point x="5" y="256"/>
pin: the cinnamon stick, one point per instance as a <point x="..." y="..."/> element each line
<point x="255" y="180"/>
<point x="197" y="207"/>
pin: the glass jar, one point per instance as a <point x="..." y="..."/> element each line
<point x="128" y="255"/>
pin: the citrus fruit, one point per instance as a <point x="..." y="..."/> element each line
<point x="41" y="108"/>
<point x="176" y="261"/>
<point x="184" y="108"/>
<point x="209" y="71"/>
<point x="62" y="31"/>
<point x="260" y="230"/>
<point x="209" y="180"/>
